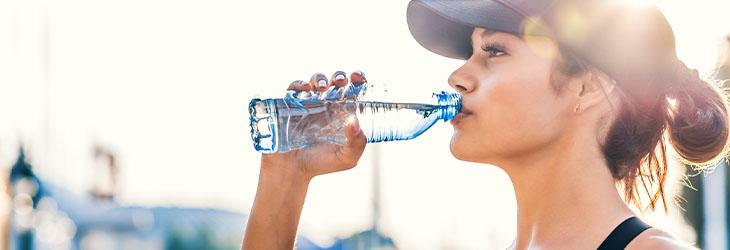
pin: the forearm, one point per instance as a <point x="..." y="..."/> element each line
<point x="273" y="221"/>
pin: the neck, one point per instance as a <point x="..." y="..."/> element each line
<point x="563" y="191"/>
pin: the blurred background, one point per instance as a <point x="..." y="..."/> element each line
<point x="123" y="125"/>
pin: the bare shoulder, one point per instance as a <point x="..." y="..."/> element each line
<point x="654" y="238"/>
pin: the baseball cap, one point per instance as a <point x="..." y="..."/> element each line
<point x="627" y="41"/>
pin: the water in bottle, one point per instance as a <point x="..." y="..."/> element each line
<point x="284" y="124"/>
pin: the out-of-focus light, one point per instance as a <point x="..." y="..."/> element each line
<point x="23" y="211"/>
<point x="22" y="204"/>
<point x="639" y="2"/>
<point x="47" y="204"/>
<point x="572" y="25"/>
<point x="54" y="228"/>
<point x="541" y="45"/>
<point x="672" y="102"/>
<point x="67" y="226"/>
<point x="39" y="217"/>
<point x="26" y="186"/>
<point x="96" y="239"/>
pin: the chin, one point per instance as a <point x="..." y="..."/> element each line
<point x="458" y="149"/>
<point x="465" y="150"/>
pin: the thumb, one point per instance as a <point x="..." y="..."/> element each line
<point x="355" y="144"/>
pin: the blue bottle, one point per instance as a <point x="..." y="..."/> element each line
<point x="281" y="125"/>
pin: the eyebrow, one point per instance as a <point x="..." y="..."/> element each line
<point x="484" y="33"/>
<point x="487" y="32"/>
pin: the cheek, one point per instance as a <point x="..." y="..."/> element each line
<point x="495" y="105"/>
<point x="517" y="112"/>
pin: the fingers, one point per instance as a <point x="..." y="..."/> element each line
<point x="318" y="86"/>
<point x="297" y="85"/>
<point x="338" y="79"/>
<point x="358" y="77"/>
<point x="319" y="81"/>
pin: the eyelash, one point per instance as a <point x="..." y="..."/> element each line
<point x="494" y="50"/>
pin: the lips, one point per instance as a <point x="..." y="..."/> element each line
<point x="465" y="112"/>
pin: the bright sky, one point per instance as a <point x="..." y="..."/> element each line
<point x="165" y="84"/>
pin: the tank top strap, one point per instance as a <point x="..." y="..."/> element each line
<point x="623" y="234"/>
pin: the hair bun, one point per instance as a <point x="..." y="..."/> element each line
<point x="698" y="117"/>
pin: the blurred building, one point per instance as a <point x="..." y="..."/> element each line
<point x="368" y="239"/>
<point x="106" y="172"/>
<point x="47" y="216"/>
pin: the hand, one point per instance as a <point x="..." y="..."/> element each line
<point x="320" y="159"/>
<point x="283" y="182"/>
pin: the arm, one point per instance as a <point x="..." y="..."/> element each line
<point x="283" y="182"/>
<point x="276" y="209"/>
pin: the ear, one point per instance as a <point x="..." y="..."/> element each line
<point x="593" y="89"/>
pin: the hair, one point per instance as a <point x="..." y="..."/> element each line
<point x="683" y="110"/>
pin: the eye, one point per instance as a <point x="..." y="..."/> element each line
<point x="494" y="50"/>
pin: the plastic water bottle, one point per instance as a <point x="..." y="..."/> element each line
<point x="281" y="124"/>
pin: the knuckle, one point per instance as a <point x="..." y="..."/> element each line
<point x="351" y="165"/>
<point x="294" y="84"/>
<point x="354" y="161"/>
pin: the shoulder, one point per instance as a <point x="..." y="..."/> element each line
<point x="654" y="238"/>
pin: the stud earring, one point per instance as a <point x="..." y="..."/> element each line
<point x="577" y="108"/>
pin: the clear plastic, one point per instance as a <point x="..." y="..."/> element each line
<point x="283" y="124"/>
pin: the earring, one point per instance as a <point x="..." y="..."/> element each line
<point x="577" y="108"/>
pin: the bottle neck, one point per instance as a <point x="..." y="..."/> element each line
<point x="450" y="104"/>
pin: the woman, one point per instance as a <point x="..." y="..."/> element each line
<point x="569" y="98"/>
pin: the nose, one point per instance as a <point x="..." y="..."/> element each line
<point x="463" y="79"/>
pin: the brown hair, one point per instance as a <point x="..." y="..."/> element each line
<point x="696" y="125"/>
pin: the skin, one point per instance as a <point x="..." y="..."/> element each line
<point x="357" y="78"/>
<point x="547" y="141"/>
<point x="315" y="79"/>
<point x="300" y="86"/>
<point x="339" y="83"/>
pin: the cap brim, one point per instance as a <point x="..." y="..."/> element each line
<point x="444" y="27"/>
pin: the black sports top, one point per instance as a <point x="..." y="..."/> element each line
<point x="623" y="234"/>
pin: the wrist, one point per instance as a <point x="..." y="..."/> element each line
<point x="281" y="168"/>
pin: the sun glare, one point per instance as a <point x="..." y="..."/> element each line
<point x="640" y="2"/>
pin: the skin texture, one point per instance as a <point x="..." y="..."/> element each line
<point x="547" y="141"/>
<point x="339" y="83"/>
<point x="316" y="78"/>
<point x="358" y="77"/>
<point x="300" y="85"/>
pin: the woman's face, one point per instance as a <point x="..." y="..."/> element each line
<point x="510" y="109"/>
